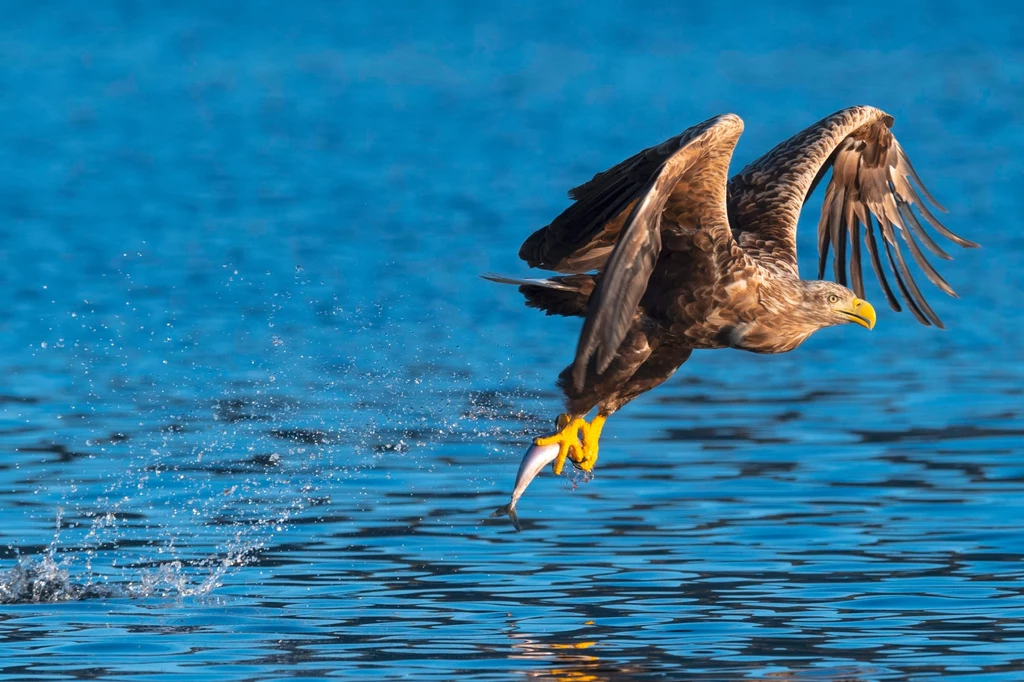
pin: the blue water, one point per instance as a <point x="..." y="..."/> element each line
<point x="257" y="405"/>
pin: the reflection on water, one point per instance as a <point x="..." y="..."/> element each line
<point x="258" y="405"/>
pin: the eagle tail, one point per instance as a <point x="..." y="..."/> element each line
<point x="567" y="295"/>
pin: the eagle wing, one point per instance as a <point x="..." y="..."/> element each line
<point x="691" y="171"/>
<point x="583" y="236"/>
<point x="873" y="186"/>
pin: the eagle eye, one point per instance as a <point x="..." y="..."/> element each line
<point x="832" y="298"/>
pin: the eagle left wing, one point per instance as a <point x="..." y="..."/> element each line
<point x="582" y="237"/>
<point x="873" y="184"/>
<point x="693" y="177"/>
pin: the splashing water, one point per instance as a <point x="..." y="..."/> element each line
<point x="59" y="575"/>
<point x="190" y="491"/>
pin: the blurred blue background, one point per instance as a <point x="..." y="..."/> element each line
<point x="256" y="403"/>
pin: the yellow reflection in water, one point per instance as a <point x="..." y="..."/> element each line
<point x="568" y="663"/>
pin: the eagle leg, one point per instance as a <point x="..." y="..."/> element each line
<point x="582" y="453"/>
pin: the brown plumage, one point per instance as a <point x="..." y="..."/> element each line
<point x="687" y="259"/>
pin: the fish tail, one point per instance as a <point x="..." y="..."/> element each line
<point x="508" y="510"/>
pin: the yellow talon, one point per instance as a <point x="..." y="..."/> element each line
<point x="591" y="436"/>
<point x="567" y="438"/>
<point x="582" y="453"/>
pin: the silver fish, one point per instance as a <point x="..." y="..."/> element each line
<point x="536" y="458"/>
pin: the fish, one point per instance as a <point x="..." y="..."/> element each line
<point x="535" y="459"/>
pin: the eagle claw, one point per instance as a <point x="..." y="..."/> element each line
<point x="581" y="452"/>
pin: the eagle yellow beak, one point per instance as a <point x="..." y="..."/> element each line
<point x="861" y="312"/>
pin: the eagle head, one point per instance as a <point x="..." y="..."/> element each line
<point x="828" y="303"/>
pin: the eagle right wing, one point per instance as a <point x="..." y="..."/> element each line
<point x="873" y="184"/>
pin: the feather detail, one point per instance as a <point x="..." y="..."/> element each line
<point x="871" y="177"/>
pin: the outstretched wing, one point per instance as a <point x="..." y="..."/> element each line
<point x="692" y="175"/>
<point x="873" y="186"/>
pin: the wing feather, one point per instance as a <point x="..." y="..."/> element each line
<point x="872" y="177"/>
<point x="876" y="262"/>
<point x="903" y="287"/>
<point x="700" y="157"/>
<point x="622" y="285"/>
<point x="911" y="220"/>
<point x="881" y="182"/>
<point x="856" y="275"/>
<point x="579" y="239"/>
<point x="922" y="262"/>
<point x="824" y="232"/>
<point x="838" y="235"/>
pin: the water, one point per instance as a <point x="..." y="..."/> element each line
<point x="257" y="406"/>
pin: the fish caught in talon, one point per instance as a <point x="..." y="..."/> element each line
<point x="566" y="438"/>
<point x="582" y="452"/>
<point x="536" y="458"/>
<point x="555" y="449"/>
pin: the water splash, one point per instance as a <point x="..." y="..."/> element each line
<point x="207" y="486"/>
<point x="59" y="575"/>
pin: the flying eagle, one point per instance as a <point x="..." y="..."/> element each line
<point x="663" y="254"/>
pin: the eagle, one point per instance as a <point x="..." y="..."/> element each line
<point x="664" y="254"/>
